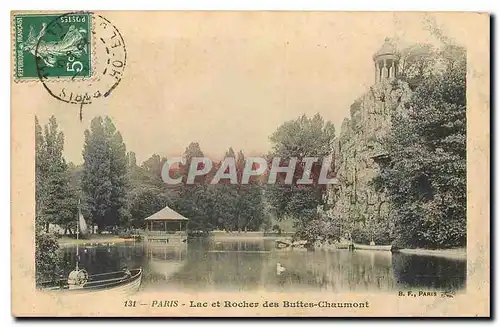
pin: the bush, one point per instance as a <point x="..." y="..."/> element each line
<point x="47" y="259"/>
<point x="380" y="232"/>
<point x="426" y="178"/>
<point x="319" y="230"/>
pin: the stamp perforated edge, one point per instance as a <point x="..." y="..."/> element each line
<point x="93" y="76"/>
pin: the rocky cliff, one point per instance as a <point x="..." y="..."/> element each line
<point x="357" y="155"/>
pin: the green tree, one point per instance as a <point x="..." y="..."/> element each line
<point x="223" y="199"/>
<point x="105" y="176"/>
<point x="417" y="62"/>
<point x="145" y="201"/>
<point x="154" y="166"/>
<point x="55" y="195"/>
<point x="300" y="138"/>
<point x="426" y="177"/>
<point x="41" y="168"/>
<point x="250" y="201"/>
<point x="148" y="193"/>
<point x="119" y="212"/>
<point x="194" y="200"/>
<point x="232" y="207"/>
<point x="47" y="260"/>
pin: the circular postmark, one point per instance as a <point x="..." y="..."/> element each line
<point x="80" y="58"/>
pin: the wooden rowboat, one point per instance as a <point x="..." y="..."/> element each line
<point x="373" y="247"/>
<point x="119" y="283"/>
<point x="282" y="244"/>
<point x="122" y="282"/>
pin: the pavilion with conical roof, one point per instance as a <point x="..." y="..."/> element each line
<point x="166" y="225"/>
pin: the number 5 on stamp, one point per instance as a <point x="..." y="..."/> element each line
<point x="52" y="46"/>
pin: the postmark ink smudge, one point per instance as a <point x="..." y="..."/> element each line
<point x="59" y="48"/>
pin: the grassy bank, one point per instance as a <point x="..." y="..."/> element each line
<point x="93" y="239"/>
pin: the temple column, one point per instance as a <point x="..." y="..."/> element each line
<point x="376" y="72"/>
<point x="393" y="73"/>
<point x="379" y="71"/>
<point x="386" y="70"/>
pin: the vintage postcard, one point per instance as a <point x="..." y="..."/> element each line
<point x="251" y="164"/>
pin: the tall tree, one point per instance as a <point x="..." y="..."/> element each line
<point x="223" y="198"/>
<point x="193" y="201"/>
<point x="131" y="160"/>
<point x="119" y="213"/>
<point x="105" y="178"/>
<point x="56" y="197"/>
<point x="40" y="171"/>
<point x="250" y="202"/>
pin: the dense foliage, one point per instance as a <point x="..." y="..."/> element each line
<point x="426" y="179"/>
<point x="105" y="178"/>
<point x="47" y="258"/>
<point x="322" y="229"/>
<point x="224" y="206"/>
<point x="55" y="197"/>
<point x="300" y="138"/>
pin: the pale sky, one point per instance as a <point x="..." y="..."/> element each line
<point x="230" y="79"/>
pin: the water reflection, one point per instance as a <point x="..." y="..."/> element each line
<point x="424" y="271"/>
<point x="210" y="265"/>
<point x="163" y="261"/>
<point x="102" y="258"/>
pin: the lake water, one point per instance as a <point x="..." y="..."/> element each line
<point x="209" y="265"/>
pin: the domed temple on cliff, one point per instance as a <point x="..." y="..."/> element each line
<point x="358" y="149"/>
<point x="386" y="61"/>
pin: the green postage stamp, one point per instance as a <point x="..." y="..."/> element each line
<point x="52" y="46"/>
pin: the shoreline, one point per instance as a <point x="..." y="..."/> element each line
<point x="457" y="253"/>
<point x="250" y="235"/>
<point x="68" y="241"/>
<point x="245" y="238"/>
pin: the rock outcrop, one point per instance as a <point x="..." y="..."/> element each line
<point x="357" y="155"/>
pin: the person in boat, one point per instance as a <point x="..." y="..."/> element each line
<point x="77" y="278"/>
